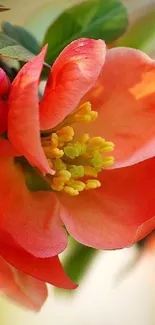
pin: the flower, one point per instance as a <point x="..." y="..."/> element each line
<point x="101" y="208"/>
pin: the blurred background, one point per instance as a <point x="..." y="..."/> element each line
<point x="115" y="287"/>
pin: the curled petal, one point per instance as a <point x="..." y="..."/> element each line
<point x="23" y="117"/>
<point x="72" y="75"/>
<point x="45" y="269"/>
<point x="125" y="99"/>
<point x="22" y="288"/>
<point x="119" y="213"/>
<point x="32" y="218"/>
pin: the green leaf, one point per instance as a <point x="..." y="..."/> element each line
<point x="93" y="18"/>
<point x="9" y="48"/>
<point x="141" y="32"/>
<point x="79" y="260"/>
<point x="3" y="8"/>
<point x="22" y="36"/>
<point x="34" y="181"/>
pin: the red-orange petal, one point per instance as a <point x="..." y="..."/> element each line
<point x="23" y="117"/>
<point x="125" y="99"/>
<point x="119" y="213"/>
<point x="21" y="288"/>
<point x="32" y="218"/>
<point x="7" y="149"/>
<point x="45" y="269"/>
<point x="4" y="83"/>
<point x="3" y="116"/>
<point x="72" y="75"/>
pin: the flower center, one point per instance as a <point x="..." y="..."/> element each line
<point x="77" y="161"/>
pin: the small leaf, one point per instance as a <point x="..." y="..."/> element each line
<point x="3" y="8"/>
<point x="93" y="18"/>
<point x="9" y="48"/>
<point x="77" y="263"/>
<point x="34" y="181"/>
<point x="22" y="36"/>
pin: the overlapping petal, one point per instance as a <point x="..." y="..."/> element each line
<point x="45" y="269"/>
<point x="22" y="288"/>
<point x="119" y="213"/>
<point x="125" y="99"/>
<point x="72" y="75"/>
<point x="23" y="117"/>
<point x="32" y="218"/>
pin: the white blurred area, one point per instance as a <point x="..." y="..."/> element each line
<point x="101" y="299"/>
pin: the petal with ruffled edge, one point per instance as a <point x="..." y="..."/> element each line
<point x="125" y="99"/>
<point x="32" y="218"/>
<point x="119" y="213"/>
<point x="45" y="269"/>
<point x="72" y="75"/>
<point x="23" y="117"/>
<point x="22" y="288"/>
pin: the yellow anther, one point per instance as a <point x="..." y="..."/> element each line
<point x="76" y="171"/>
<point x="54" y="140"/>
<point x="65" y="134"/>
<point x="74" y="149"/>
<point x="56" y="153"/>
<point x="95" y="143"/>
<point x="92" y="184"/>
<point x="69" y="190"/>
<point x="90" y="171"/>
<point x="59" y="164"/>
<point x="84" y="138"/>
<point x="84" y="114"/>
<point x="57" y="188"/>
<point x="108" y="161"/>
<point x="79" y="118"/>
<point x="60" y="179"/>
<point x="84" y="108"/>
<point x="65" y="175"/>
<point x="93" y="115"/>
<point x="76" y="185"/>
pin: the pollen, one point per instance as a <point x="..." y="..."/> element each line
<point x="77" y="161"/>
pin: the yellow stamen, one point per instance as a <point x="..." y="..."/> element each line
<point x="85" y="114"/>
<point x="84" y="138"/>
<point x="59" y="164"/>
<point x="77" y="185"/>
<point x="108" y="161"/>
<point x="54" y="140"/>
<point x="90" y="171"/>
<point x="92" y="184"/>
<point x="53" y="153"/>
<point x="69" y="190"/>
<point x="75" y="161"/>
